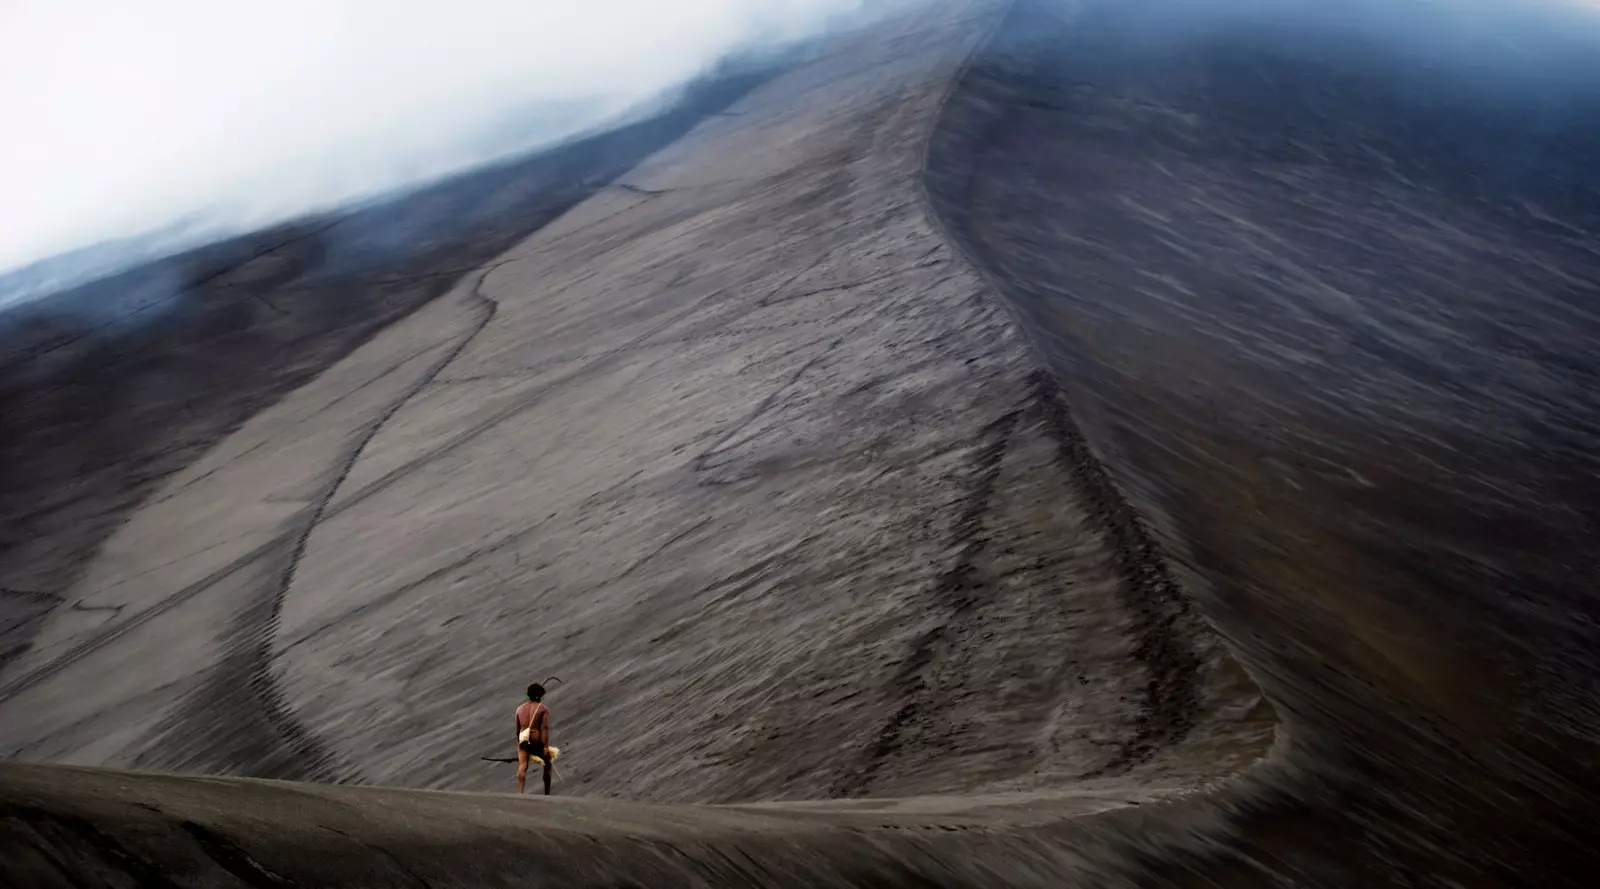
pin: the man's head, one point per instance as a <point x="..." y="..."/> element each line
<point x="535" y="692"/>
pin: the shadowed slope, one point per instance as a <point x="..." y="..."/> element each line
<point x="754" y="442"/>
<point x="1327" y="311"/>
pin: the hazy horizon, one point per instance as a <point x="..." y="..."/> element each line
<point x="222" y="119"/>
<point x="131" y="119"/>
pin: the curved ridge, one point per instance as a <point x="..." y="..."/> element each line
<point x="298" y="755"/>
<point x="1169" y="689"/>
<point x="1281" y="322"/>
<point x="1149" y="588"/>
<point x="1399" y="758"/>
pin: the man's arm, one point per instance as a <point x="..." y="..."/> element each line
<point x="545" y="732"/>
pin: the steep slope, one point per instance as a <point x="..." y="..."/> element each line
<point x="1324" y="301"/>
<point x="701" y="447"/>
<point x="737" y="447"/>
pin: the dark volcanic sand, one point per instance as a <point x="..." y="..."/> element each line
<point x="1334" y="324"/>
<point x="735" y="447"/>
<point x="107" y="389"/>
<point x="748" y="432"/>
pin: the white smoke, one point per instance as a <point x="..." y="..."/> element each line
<point x="121" y="116"/>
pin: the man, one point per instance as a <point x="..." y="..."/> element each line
<point x="533" y="737"/>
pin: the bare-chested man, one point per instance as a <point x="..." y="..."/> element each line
<point x="535" y="717"/>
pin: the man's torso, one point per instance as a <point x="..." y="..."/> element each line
<point x="528" y="713"/>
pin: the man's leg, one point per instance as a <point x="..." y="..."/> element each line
<point x="547" y="767"/>
<point x="522" y="770"/>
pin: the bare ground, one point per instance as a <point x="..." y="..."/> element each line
<point x="749" y="450"/>
<point x="735" y="447"/>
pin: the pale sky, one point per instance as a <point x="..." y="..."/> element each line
<point x="122" y="115"/>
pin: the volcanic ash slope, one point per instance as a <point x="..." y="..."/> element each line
<point x="740" y="450"/>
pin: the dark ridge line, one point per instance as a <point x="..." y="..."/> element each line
<point x="1147" y="591"/>
<point x="1171" y="693"/>
<point x="89" y="646"/>
<point x="188" y="592"/>
<point x="639" y="189"/>
<point x="775" y="299"/>
<point x="396" y="593"/>
<point x="398" y="279"/>
<point x="277" y="709"/>
<point x="249" y="650"/>
<point x="526" y="402"/>
<point x="955" y="591"/>
<point x="958" y="584"/>
<point x="493" y="548"/>
<point x="31" y="594"/>
<point x="618" y="151"/>
<point x="702" y="461"/>
<point x="376" y="378"/>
